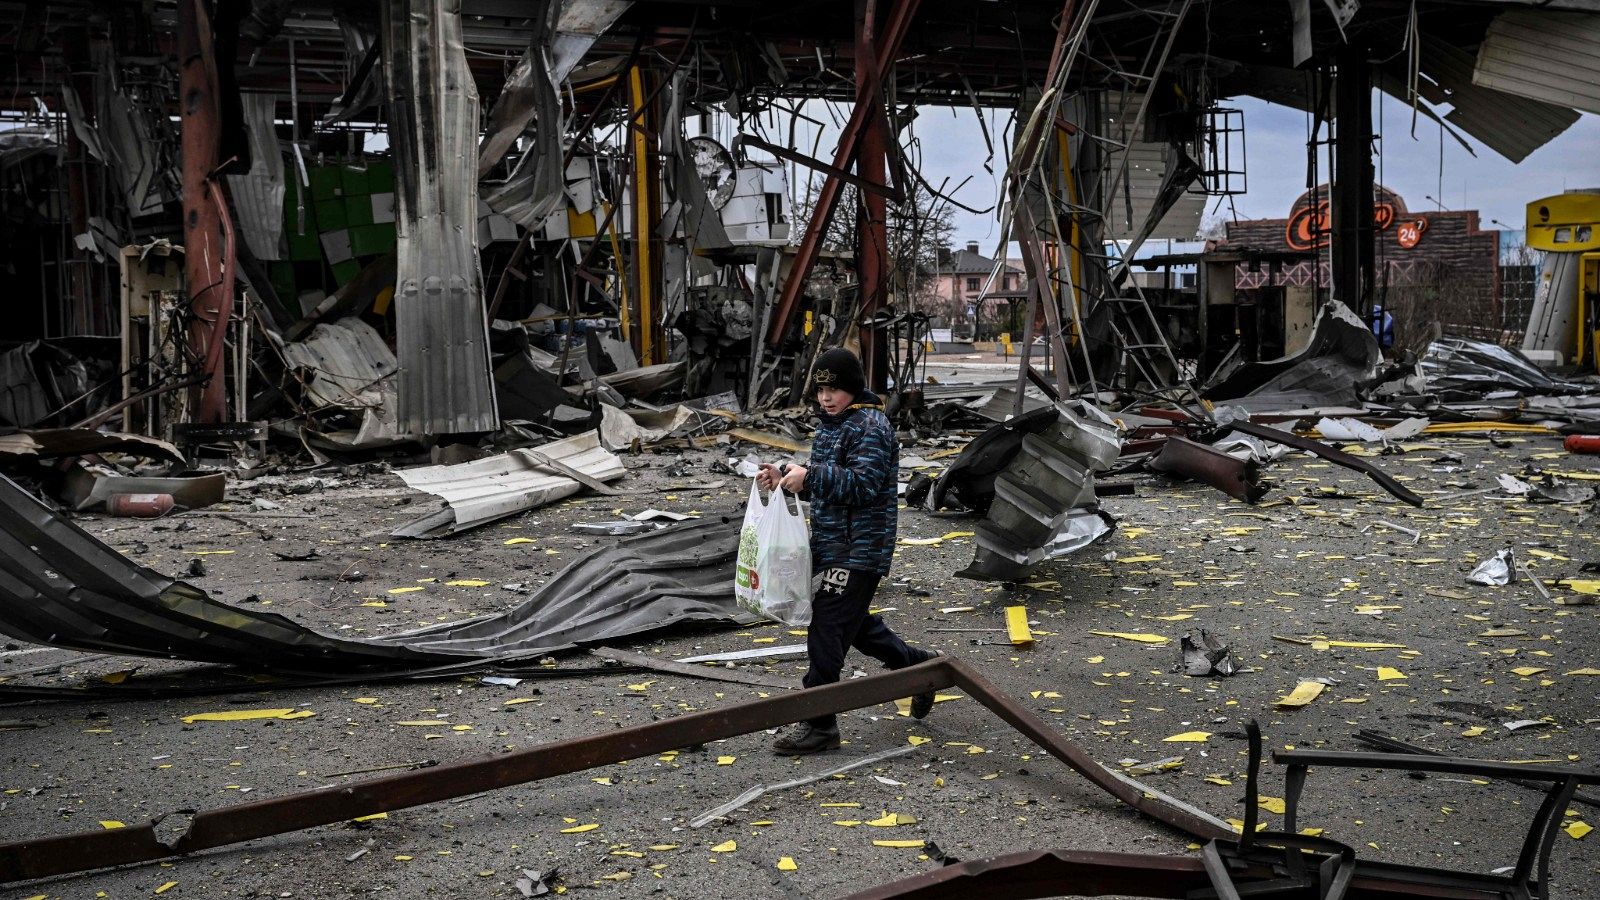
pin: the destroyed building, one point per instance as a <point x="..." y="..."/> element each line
<point x="383" y="383"/>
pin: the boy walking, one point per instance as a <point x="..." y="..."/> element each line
<point x="852" y="485"/>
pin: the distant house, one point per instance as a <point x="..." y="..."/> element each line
<point x="962" y="287"/>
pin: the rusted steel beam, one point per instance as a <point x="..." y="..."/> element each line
<point x="1234" y="477"/>
<point x="1076" y="873"/>
<point x="1037" y="730"/>
<point x="208" y="260"/>
<point x="1050" y="873"/>
<point x="872" y="225"/>
<point x="868" y="99"/>
<point x="63" y="854"/>
<point x="1331" y="454"/>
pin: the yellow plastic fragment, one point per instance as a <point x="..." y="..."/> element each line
<point x="519" y="541"/>
<point x="1577" y="830"/>
<point x="171" y="884"/>
<point x="725" y="760"/>
<point x="404" y="590"/>
<point x="1303" y="693"/>
<point x="1274" y="805"/>
<point x="725" y="847"/>
<point x="1148" y="557"/>
<point x="1585" y="671"/>
<point x="1389" y="673"/>
<point x="1529" y="671"/>
<point x="372" y="818"/>
<point x="423" y="723"/>
<point x="109" y="824"/>
<point x="1017" y="626"/>
<point x="240" y="715"/>
<point x="786" y="864"/>
<point x="890" y="820"/>
<point x="1188" y="737"/>
<point x="841" y="805"/>
<point x="1133" y="636"/>
<point x="580" y="829"/>
<point x="467" y="582"/>
<point x="902" y="844"/>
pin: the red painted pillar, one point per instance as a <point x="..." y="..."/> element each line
<point x="208" y="256"/>
<point x="872" y="236"/>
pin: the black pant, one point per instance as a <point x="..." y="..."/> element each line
<point x="839" y="621"/>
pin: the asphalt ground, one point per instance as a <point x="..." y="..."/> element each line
<point x="1283" y="582"/>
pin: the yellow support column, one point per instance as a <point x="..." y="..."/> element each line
<point x="645" y="191"/>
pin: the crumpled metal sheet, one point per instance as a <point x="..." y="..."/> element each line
<point x="258" y="194"/>
<point x="347" y="365"/>
<point x="561" y="36"/>
<point x="365" y="89"/>
<point x="56" y="443"/>
<point x="1341" y="354"/>
<point x="62" y="587"/>
<point x="487" y="489"/>
<point x="1479" y="366"/>
<point x="445" y="382"/>
<point x="1033" y="478"/>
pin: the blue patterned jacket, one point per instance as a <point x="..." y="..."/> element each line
<point x="852" y="482"/>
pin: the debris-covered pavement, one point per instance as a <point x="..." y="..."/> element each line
<point x="390" y="390"/>
<point x="1317" y="584"/>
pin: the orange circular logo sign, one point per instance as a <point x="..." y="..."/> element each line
<point x="1410" y="233"/>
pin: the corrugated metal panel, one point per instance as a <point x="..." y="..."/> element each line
<point x="258" y="194"/>
<point x="1511" y="126"/>
<point x="442" y="336"/>
<point x="1549" y="56"/>
<point x="1147" y="165"/>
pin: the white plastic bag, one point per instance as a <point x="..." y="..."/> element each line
<point x="746" y="584"/>
<point x="774" y="569"/>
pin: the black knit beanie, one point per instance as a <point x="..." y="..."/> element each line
<point x="839" y="368"/>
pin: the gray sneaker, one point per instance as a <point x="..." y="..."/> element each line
<point x="802" y="739"/>
<point x="922" y="704"/>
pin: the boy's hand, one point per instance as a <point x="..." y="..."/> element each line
<point x="768" y="476"/>
<point x="794" y="480"/>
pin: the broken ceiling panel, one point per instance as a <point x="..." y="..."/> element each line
<point x="1136" y="194"/>
<point x="443" y="343"/>
<point x="365" y="87"/>
<point x="258" y="194"/>
<point x="1553" y="57"/>
<point x="488" y="489"/>
<point x="1509" y="125"/>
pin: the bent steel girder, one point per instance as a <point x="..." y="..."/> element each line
<point x="83" y="851"/>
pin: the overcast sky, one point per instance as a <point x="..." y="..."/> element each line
<point x="952" y="146"/>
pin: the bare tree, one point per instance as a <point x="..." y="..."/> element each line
<point x="917" y="230"/>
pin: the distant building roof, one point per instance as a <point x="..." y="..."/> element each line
<point x="970" y="262"/>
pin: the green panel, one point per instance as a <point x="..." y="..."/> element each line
<point x="354" y="181"/>
<point x="380" y="176"/>
<point x="331" y="216"/>
<point x="281" y="274"/>
<point x="326" y="183"/>
<point x="345" y="272"/>
<point x="303" y="247"/>
<point x="358" y="210"/>
<point x="372" y="240"/>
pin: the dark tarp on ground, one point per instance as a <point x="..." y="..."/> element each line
<point x="62" y="587"/>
